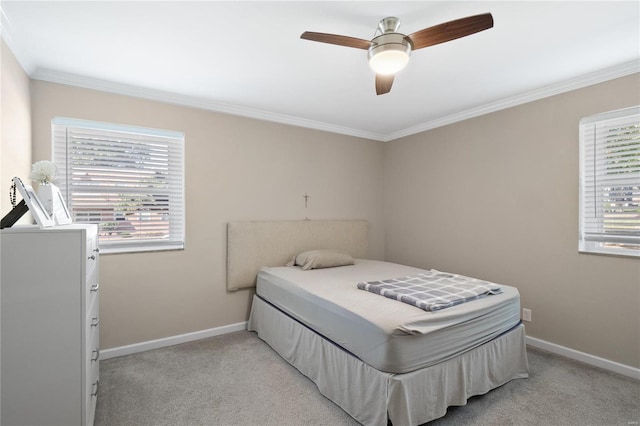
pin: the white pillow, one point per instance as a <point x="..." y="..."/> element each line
<point x="324" y="258"/>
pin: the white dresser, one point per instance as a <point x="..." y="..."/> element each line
<point x="50" y="332"/>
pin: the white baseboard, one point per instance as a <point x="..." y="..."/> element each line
<point x="586" y="358"/>
<point x="170" y="341"/>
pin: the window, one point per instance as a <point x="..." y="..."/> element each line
<point x="610" y="183"/>
<point x="128" y="180"/>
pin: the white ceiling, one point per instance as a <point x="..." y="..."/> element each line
<point x="247" y="58"/>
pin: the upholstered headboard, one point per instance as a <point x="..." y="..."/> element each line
<point x="252" y="245"/>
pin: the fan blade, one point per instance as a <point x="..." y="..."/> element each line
<point x="337" y="39"/>
<point x="451" y="30"/>
<point x="383" y="83"/>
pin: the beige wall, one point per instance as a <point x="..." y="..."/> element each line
<point x="236" y="169"/>
<point x="496" y="197"/>
<point x="15" y="127"/>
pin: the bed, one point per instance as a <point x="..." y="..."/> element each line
<point x="378" y="359"/>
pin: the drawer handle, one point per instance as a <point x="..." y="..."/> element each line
<point x="95" y="287"/>
<point x="97" y="385"/>
<point x="95" y="321"/>
<point x="97" y="352"/>
<point x="97" y="250"/>
<point x="92" y="257"/>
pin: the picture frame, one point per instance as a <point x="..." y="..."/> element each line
<point x="54" y="204"/>
<point x="61" y="213"/>
<point x="42" y="218"/>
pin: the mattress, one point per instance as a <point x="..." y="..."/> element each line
<point x="388" y="335"/>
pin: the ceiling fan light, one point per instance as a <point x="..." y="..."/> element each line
<point x="389" y="53"/>
<point x="389" y="61"/>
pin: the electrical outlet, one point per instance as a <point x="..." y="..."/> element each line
<point x="526" y="314"/>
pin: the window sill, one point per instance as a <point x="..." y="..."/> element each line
<point x="617" y="253"/>
<point x="125" y="250"/>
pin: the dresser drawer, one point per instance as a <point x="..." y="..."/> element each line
<point x="92" y="289"/>
<point x="92" y="333"/>
<point x="92" y="353"/>
<point x="91" y="396"/>
<point x="92" y="319"/>
<point x="91" y="254"/>
<point x="93" y="358"/>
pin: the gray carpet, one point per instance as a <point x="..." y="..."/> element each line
<point x="236" y="379"/>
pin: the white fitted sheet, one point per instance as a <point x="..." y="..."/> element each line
<point x="388" y="335"/>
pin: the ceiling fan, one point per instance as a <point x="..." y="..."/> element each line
<point x="389" y="52"/>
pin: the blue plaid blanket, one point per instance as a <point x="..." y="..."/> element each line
<point x="432" y="291"/>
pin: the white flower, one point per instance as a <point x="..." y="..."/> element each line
<point x="43" y="171"/>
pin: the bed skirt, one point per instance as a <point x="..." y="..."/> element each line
<point x="371" y="396"/>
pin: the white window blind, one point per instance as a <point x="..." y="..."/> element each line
<point x="610" y="183"/>
<point x="128" y="180"/>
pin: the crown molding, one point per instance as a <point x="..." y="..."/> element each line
<point x="621" y="70"/>
<point x="195" y="102"/>
<point x="600" y="76"/>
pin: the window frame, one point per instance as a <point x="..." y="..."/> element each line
<point x="175" y="205"/>
<point x="598" y="243"/>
